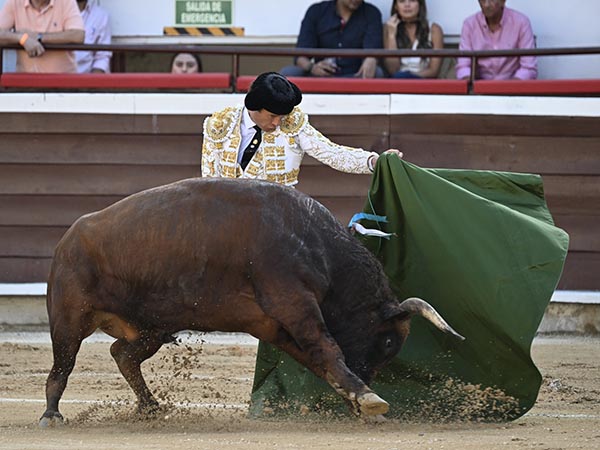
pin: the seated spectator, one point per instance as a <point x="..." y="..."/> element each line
<point x="408" y="28"/>
<point x="97" y="31"/>
<point x="339" y="24"/>
<point x="186" y="63"/>
<point x="33" y="23"/>
<point x="496" y="27"/>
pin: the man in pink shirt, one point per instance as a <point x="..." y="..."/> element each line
<point x="33" y="23"/>
<point x="496" y="27"/>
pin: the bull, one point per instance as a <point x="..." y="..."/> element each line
<point x="225" y="255"/>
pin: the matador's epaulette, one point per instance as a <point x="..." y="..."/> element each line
<point x="220" y="125"/>
<point x="293" y="122"/>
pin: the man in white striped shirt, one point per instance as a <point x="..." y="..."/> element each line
<point x="97" y="31"/>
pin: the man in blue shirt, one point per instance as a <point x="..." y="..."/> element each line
<point x="339" y="24"/>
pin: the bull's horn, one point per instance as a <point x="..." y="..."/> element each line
<point x="414" y="305"/>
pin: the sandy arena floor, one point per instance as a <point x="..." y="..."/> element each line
<point x="206" y="389"/>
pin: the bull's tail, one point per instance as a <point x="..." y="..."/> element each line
<point x="49" y="296"/>
<point x="412" y="306"/>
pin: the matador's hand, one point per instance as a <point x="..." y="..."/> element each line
<point x="373" y="159"/>
<point x="396" y="151"/>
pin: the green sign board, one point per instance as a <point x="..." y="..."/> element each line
<point x="204" y="13"/>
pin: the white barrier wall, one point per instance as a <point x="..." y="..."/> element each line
<point x="556" y="23"/>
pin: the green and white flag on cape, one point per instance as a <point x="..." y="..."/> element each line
<point x="482" y="249"/>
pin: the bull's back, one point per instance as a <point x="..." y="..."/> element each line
<point x="194" y="226"/>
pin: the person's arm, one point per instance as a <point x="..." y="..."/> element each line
<point x="9" y="37"/>
<point x="33" y="41"/>
<point x="26" y="38"/>
<point x="101" y="59"/>
<point x="209" y="152"/>
<point x="463" y="65"/>
<point x="307" y="38"/>
<point x="74" y="30"/>
<point x="390" y="31"/>
<point x="339" y="157"/>
<point x="373" y="39"/>
<point x="63" y="37"/>
<point x="7" y="23"/>
<point x="305" y="63"/>
<point x="368" y="68"/>
<point x="527" y="64"/>
<point x="208" y="160"/>
<point x="437" y="39"/>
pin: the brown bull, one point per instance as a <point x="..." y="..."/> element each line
<point x="226" y="255"/>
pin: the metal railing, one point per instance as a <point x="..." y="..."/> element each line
<point x="236" y="51"/>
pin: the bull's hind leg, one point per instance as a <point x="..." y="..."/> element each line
<point x="64" y="361"/>
<point x="129" y="357"/>
<point x="67" y="333"/>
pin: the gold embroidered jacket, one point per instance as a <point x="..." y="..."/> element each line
<point x="280" y="153"/>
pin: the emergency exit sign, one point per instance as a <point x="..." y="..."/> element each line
<point x="205" y="13"/>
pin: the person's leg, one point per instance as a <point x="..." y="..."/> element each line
<point x="405" y="74"/>
<point x="293" y="71"/>
<point x="379" y="73"/>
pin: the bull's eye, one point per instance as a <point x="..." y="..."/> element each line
<point x="388" y="344"/>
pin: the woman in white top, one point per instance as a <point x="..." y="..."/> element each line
<point x="408" y="28"/>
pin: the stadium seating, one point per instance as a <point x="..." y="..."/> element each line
<point x="117" y="81"/>
<point x="538" y="87"/>
<point x="367" y="86"/>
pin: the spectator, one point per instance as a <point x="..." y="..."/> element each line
<point x="97" y="31"/>
<point x="408" y="28"/>
<point x="497" y="28"/>
<point x="33" y="23"/>
<point x="339" y="24"/>
<point x="267" y="138"/>
<point x="186" y="63"/>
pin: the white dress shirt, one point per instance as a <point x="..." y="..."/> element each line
<point x="97" y="31"/>
<point x="247" y="132"/>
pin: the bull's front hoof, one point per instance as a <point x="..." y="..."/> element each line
<point x="51" y="420"/>
<point x="376" y="419"/>
<point x="372" y="404"/>
<point x="151" y="408"/>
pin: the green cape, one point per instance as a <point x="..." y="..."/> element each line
<point x="482" y="249"/>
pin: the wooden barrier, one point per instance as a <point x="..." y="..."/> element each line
<point x="563" y="150"/>
<point x="57" y="166"/>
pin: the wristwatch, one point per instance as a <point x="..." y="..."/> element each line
<point x="39" y="38"/>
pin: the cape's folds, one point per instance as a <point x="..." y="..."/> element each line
<point x="482" y="249"/>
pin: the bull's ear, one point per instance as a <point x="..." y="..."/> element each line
<point x="393" y="310"/>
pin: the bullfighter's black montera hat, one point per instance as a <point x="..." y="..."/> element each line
<point x="273" y="92"/>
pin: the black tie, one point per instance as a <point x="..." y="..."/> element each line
<point x="250" y="150"/>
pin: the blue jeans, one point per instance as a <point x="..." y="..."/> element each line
<point x="295" y="71"/>
<point x="405" y="74"/>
